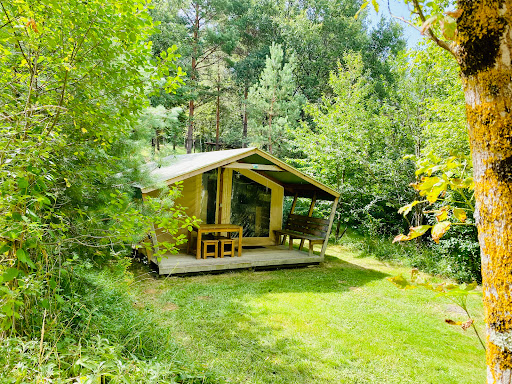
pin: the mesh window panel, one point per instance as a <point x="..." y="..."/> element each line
<point x="209" y="197"/>
<point x="250" y="206"/>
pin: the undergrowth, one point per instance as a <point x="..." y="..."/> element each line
<point x="101" y="336"/>
<point x="454" y="257"/>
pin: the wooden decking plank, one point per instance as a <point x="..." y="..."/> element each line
<point x="273" y="256"/>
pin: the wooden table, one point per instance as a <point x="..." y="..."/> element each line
<point x="212" y="228"/>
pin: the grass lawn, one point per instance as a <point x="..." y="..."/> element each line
<point x="341" y="322"/>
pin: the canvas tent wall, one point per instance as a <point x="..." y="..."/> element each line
<point x="240" y="186"/>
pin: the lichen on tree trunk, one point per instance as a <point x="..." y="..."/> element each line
<point x="483" y="49"/>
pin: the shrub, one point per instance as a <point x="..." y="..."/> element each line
<point x="100" y="336"/>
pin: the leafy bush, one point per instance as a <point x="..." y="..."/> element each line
<point x="95" y="361"/>
<point x="456" y="256"/>
<point x="459" y="252"/>
<point x="102" y="336"/>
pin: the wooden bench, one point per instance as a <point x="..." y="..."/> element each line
<point x="303" y="227"/>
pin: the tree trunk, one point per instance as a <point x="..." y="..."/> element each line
<point x="270" y="125"/>
<point x="193" y="78"/>
<point x="244" y="119"/>
<point x="190" y="131"/>
<point x="484" y="46"/>
<point x="217" y="130"/>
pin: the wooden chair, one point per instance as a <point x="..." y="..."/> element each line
<point x="209" y="243"/>
<point x="225" y="241"/>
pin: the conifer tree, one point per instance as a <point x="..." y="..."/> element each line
<point x="274" y="101"/>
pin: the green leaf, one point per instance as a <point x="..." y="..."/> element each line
<point x="407" y="208"/>
<point x="22" y="183"/>
<point x="428" y="23"/>
<point x="401" y="282"/>
<point x="10" y="274"/>
<point x="427" y="183"/>
<point x="442" y="214"/>
<point x="363" y="6"/>
<point x="448" y="27"/>
<point x="4" y="248"/>
<point x="22" y="255"/>
<point x="45" y="304"/>
<point x="460" y="214"/>
<point x="434" y="193"/>
<point x="471" y="286"/>
<point x="401" y="237"/>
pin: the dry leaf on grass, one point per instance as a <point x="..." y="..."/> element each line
<point x="171" y="307"/>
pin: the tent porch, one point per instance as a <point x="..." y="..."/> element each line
<point x="258" y="257"/>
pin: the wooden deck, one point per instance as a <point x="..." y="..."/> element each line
<point x="272" y="256"/>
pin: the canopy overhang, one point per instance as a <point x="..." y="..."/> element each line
<point x="295" y="183"/>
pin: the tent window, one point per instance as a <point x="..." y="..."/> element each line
<point x="250" y="206"/>
<point x="209" y="197"/>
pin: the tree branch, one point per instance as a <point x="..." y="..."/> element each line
<point x="17" y="40"/>
<point x="429" y="33"/>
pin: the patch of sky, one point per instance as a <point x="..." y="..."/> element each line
<point x="397" y="8"/>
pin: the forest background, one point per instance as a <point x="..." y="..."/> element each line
<point x="90" y="90"/>
<point x="346" y="103"/>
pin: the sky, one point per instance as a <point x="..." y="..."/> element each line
<point x="398" y="8"/>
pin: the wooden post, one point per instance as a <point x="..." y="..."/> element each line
<point x="217" y="130"/>
<point x="331" y="219"/>
<point x="294" y="203"/>
<point x="310" y="213"/>
<point x="312" y="206"/>
<point x="220" y="192"/>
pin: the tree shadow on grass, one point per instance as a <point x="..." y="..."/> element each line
<point x="240" y="322"/>
<point x="334" y="275"/>
<point x="317" y="324"/>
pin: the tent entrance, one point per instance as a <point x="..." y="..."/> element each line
<point x="250" y="206"/>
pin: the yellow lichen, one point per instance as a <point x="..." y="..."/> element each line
<point x="489" y="106"/>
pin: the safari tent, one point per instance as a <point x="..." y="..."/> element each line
<point x="244" y="188"/>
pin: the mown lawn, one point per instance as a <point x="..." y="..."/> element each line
<point x="341" y="322"/>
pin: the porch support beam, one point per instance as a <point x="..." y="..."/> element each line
<point x="294" y="203"/>
<point x="310" y="213"/>
<point x="331" y="219"/>
<point x="292" y="209"/>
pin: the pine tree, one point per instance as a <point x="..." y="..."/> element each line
<point x="274" y="101"/>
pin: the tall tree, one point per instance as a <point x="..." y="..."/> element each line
<point x="429" y="102"/>
<point x="478" y="35"/>
<point x="255" y="23"/>
<point x="209" y="33"/>
<point x="308" y="27"/>
<point x="203" y="30"/>
<point x="275" y="103"/>
<point x="354" y="147"/>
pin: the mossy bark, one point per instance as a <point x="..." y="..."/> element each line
<point x="483" y="48"/>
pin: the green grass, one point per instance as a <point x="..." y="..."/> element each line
<point x="165" y="150"/>
<point x="341" y="322"/>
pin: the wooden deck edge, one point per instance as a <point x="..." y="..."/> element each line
<point x="242" y="264"/>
